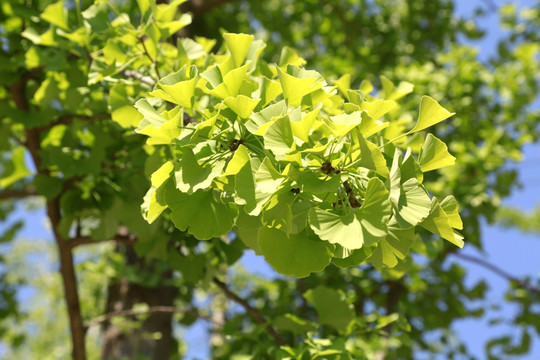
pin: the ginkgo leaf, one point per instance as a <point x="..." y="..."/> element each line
<point x="247" y="228"/>
<point x="294" y="88"/>
<point x="350" y="258"/>
<point x="450" y="207"/>
<point x="410" y="200"/>
<point x="395" y="246"/>
<point x="162" y="174"/>
<point x="238" y="45"/>
<point x="301" y="129"/>
<point x="317" y="183"/>
<point x="298" y="254"/>
<point x="331" y="307"/>
<point x="371" y="157"/>
<point x="343" y="123"/>
<point x="212" y="218"/>
<point x="391" y="92"/>
<point x="178" y="87"/>
<point x="230" y="86"/>
<point x="17" y="168"/>
<point x="191" y="176"/>
<point x="345" y="230"/>
<point x="254" y="188"/>
<point x="431" y="113"/>
<point x="56" y="15"/>
<point x="294" y="324"/>
<point x="159" y="129"/>
<point x="438" y="223"/>
<point x="366" y="225"/>
<point x="434" y="154"/>
<point x="153" y="204"/>
<point x="377" y="108"/>
<point x="278" y="136"/>
<point x="238" y="161"/>
<point x="242" y="105"/>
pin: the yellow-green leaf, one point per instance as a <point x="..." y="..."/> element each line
<point x="431" y="113"/>
<point x="434" y="155"/>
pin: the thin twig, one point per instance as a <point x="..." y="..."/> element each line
<point x="68" y="119"/>
<point x="149" y="57"/>
<point x="497" y="270"/>
<point x="138" y="76"/>
<point x="251" y="311"/>
<point x="150" y="310"/>
<point x="87" y="240"/>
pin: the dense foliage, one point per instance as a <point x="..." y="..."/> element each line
<point x="306" y="168"/>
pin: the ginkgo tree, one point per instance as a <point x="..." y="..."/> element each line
<point x="304" y="171"/>
<point x="232" y="143"/>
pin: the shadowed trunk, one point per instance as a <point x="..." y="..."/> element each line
<point x="136" y="342"/>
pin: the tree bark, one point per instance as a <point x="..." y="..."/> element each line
<point x="123" y="295"/>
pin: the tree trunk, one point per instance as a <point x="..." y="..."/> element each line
<point x="136" y="342"/>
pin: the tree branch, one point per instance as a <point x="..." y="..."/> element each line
<point x="497" y="270"/>
<point x="67" y="269"/>
<point x="87" y="240"/>
<point x="18" y="193"/>
<point x="68" y="119"/>
<point x="150" y="310"/>
<point x="251" y="311"/>
<point x="152" y="60"/>
<point x="135" y="75"/>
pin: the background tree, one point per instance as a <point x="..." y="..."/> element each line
<point x="66" y="73"/>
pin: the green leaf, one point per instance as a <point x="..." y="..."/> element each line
<point x="56" y="15"/>
<point x="317" y="183"/>
<point x="122" y="108"/>
<point x="331" y="308"/>
<point x="255" y="188"/>
<point x="410" y="201"/>
<point x="191" y="176"/>
<point x="159" y="129"/>
<point x="230" y="86"/>
<point x="298" y="254"/>
<point x="439" y="223"/>
<point x="247" y="228"/>
<point x="242" y="105"/>
<point x="344" y="230"/>
<point x="377" y="108"/>
<point x="238" y="161"/>
<point x="343" y="123"/>
<point x="294" y="324"/>
<point x="153" y="204"/>
<point x="278" y="136"/>
<point x="16" y="169"/>
<point x="48" y="186"/>
<point x="434" y="154"/>
<point x="295" y="88"/>
<point x="395" y="246"/>
<point x="162" y="174"/>
<point x="178" y="87"/>
<point x="450" y="207"/>
<point x="347" y="258"/>
<point x="211" y="218"/>
<point x="371" y="157"/>
<point x="97" y="17"/>
<point x="431" y="113"/>
<point x="238" y="45"/>
<point x="393" y="93"/>
<point x="366" y="225"/>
